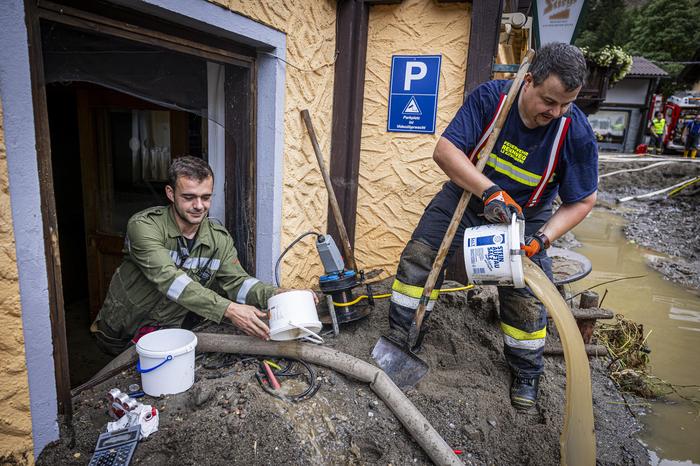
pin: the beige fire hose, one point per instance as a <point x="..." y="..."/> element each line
<point x="417" y="425"/>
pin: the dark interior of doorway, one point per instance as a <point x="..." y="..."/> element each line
<point x="85" y="359"/>
<point x="139" y="55"/>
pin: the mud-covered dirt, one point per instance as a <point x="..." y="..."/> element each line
<point x="231" y="420"/>
<point x="670" y="225"/>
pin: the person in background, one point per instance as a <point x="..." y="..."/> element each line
<point x="657" y="128"/>
<point x="691" y="131"/>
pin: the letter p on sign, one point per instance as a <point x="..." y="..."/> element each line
<point x="421" y="69"/>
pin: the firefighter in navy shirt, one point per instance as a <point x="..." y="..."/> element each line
<point x="546" y="148"/>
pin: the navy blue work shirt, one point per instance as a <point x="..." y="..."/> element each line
<point x="521" y="154"/>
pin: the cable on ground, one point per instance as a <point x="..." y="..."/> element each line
<point x="289" y="370"/>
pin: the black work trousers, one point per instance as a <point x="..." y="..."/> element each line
<point x="523" y="317"/>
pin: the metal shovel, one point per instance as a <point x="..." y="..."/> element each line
<point x="401" y="364"/>
<point x="398" y="360"/>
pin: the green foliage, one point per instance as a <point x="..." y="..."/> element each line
<point x="666" y="30"/>
<point x="606" y="22"/>
<point x="658" y="30"/>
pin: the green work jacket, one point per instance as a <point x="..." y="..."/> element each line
<point x="160" y="279"/>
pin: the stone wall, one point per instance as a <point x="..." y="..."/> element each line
<point x="15" y="418"/>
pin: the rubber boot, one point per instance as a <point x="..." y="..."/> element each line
<point x="693" y="154"/>
<point x="523" y="392"/>
<point x="685" y="153"/>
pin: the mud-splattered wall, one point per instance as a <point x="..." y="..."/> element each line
<point x="397" y="174"/>
<point x="15" y="418"/>
<point x="310" y="29"/>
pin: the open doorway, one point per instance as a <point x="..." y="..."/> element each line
<point x="119" y="111"/>
<point x="115" y="148"/>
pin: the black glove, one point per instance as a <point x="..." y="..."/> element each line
<point x="499" y="207"/>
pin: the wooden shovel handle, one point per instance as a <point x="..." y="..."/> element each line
<point x="483" y="157"/>
<point x="345" y="241"/>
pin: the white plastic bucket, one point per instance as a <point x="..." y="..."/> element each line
<point x="166" y="361"/>
<point x="492" y="254"/>
<point x="293" y="315"/>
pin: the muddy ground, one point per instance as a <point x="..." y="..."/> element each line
<point x="231" y="420"/>
<point x="669" y="225"/>
<point x="227" y="418"/>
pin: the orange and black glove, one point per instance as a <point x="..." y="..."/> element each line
<point x="534" y="244"/>
<point x="499" y="207"/>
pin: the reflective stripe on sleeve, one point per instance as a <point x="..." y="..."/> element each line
<point x="178" y="286"/>
<point x="245" y="288"/>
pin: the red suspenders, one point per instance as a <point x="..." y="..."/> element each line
<point x="552" y="163"/>
<point x="553" y="154"/>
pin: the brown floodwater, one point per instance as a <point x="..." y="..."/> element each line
<point x="671" y="313"/>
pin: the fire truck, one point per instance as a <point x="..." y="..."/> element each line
<point x="678" y="110"/>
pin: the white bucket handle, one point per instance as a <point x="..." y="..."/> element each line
<point x="311" y="336"/>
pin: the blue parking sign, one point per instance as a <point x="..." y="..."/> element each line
<point x="413" y="93"/>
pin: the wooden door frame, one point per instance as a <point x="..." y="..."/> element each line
<point x="35" y="10"/>
<point x="48" y="212"/>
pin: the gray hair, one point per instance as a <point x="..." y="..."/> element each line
<point x="190" y="167"/>
<point x="562" y="60"/>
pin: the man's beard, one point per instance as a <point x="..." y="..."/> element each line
<point x="184" y="218"/>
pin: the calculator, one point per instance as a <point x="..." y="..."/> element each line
<point x="116" y="448"/>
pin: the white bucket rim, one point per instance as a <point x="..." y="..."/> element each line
<point x="143" y="350"/>
<point x="311" y="326"/>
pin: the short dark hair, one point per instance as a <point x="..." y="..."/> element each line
<point x="189" y="167"/>
<point x="563" y="60"/>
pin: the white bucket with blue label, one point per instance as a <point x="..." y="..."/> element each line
<point x="492" y="254"/>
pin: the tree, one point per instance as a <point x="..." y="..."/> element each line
<point x="666" y="30"/>
<point x="605" y="22"/>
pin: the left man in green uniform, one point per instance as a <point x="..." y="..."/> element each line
<point x="174" y="255"/>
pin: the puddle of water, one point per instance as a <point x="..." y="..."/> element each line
<point x="671" y="312"/>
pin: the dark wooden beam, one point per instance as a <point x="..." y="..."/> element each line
<point x="483" y="42"/>
<point x="352" y="17"/>
<point x="241" y="161"/>
<point x="48" y="213"/>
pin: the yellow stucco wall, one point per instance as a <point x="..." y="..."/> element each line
<point x="15" y="419"/>
<point x="397" y="174"/>
<point x="310" y="29"/>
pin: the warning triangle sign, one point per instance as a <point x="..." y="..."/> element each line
<point x="412" y="107"/>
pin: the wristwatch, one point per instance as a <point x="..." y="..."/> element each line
<point x="544" y="239"/>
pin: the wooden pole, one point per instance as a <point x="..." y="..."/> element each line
<point x="345" y="241"/>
